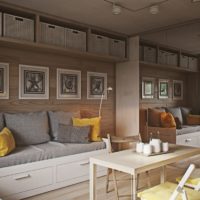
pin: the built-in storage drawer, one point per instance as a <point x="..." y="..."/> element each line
<point x="184" y="60"/>
<point x="193" y="63"/>
<point x="99" y="44"/>
<point x="190" y="139"/>
<point x="52" y="34"/>
<point x="0" y="24"/>
<point x="149" y="54"/>
<point x="18" y="27"/>
<point x="117" y="48"/>
<point x="25" y="181"/>
<point x="75" y="39"/>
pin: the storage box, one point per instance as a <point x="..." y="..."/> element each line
<point x="149" y="54"/>
<point x="99" y="44"/>
<point x="52" y="34"/>
<point x="75" y="39"/>
<point x="162" y="57"/>
<point x="0" y="24"/>
<point x="18" y="27"/>
<point x="184" y="61"/>
<point x="117" y="48"/>
<point x="172" y="58"/>
<point x="193" y="63"/>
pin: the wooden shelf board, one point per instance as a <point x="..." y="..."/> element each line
<point x="166" y="67"/>
<point x="32" y="46"/>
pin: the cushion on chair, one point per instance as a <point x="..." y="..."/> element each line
<point x="28" y="128"/>
<point x="167" y="120"/>
<point x="164" y="191"/>
<point x="1" y="121"/>
<point x="176" y="112"/>
<point x="94" y="122"/>
<point x="73" y="134"/>
<point x="60" y="117"/>
<point x="7" y="142"/>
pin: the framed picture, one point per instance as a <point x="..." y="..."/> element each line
<point x="33" y="82"/>
<point x="163" y="87"/>
<point x="177" y="89"/>
<point x="68" y="84"/>
<point x="96" y="85"/>
<point x="4" y="81"/>
<point x="148" y="85"/>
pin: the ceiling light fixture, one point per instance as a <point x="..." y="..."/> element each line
<point x="116" y="9"/>
<point x="195" y="1"/>
<point x="154" y="9"/>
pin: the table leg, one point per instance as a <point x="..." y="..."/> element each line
<point x="92" y="181"/>
<point x="162" y="174"/>
<point x="134" y="186"/>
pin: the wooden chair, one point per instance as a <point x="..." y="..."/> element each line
<point x="113" y="172"/>
<point x="172" y="191"/>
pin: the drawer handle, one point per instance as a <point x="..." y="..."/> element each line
<point x="85" y="163"/>
<point x="188" y="140"/>
<point x="99" y="37"/>
<point x="19" y="19"/>
<point x="76" y="32"/>
<point x="116" y="41"/>
<point x="51" y="26"/>
<point x="22" y="177"/>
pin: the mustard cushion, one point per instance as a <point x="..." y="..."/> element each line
<point x="164" y="191"/>
<point x="7" y="142"/>
<point x="193" y="119"/>
<point x="94" y="122"/>
<point x="190" y="181"/>
<point x="167" y="120"/>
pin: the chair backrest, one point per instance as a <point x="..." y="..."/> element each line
<point x="179" y="189"/>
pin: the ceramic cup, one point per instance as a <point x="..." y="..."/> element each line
<point x="165" y="146"/>
<point x="147" y="149"/>
<point x="139" y="147"/>
<point x="156" y="143"/>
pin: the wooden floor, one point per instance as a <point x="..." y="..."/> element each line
<point x="81" y="191"/>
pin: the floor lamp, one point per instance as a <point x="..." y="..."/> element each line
<point x="102" y="95"/>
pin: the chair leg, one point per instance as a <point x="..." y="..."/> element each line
<point x="107" y="180"/>
<point x="148" y="179"/>
<point x="138" y="178"/>
<point x="115" y="184"/>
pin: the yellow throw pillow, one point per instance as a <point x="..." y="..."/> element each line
<point x="193" y="119"/>
<point x="167" y="120"/>
<point x="94" y="122"/>
<point x="7" y="142"/>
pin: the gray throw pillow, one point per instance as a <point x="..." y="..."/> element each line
<point x="1" y="121"/>
<point x="60" y="117"/>
<point x="176" y="112"/>
<point x="185" y="112"/>
<point x="73" y="134"/>
<point x="28" y="128"/>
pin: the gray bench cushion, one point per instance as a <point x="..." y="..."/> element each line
<point x="176" y="112"/>
<point x="28" y="128"/>
<point x="1" y="121"/>
<point x="187" y="129"/>
<point x="49" y="150"/>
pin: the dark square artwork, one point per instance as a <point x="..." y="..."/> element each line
<point x="177" y="89"/>
<point x="96" y="85"/>
<point x="1" y="80"/>
<point x="69" y="84"/>
<point x="34" y="82"/>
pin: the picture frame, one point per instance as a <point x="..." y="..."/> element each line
<point x="4" y="81"/>
<point x="148" y="88"/>
<point x="68" y="84"/>
<point x="163" y="88"/>
<point x="96" y="85"/>
<point x="33" y="82"/>
<point x="177" y="89"/>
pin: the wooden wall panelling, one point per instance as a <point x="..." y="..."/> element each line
<point x="16" y="57"/>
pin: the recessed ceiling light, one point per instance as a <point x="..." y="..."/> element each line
<point x="195" y="1"/>
<point x="116" y="9"/>
<point x="154" y="9"/>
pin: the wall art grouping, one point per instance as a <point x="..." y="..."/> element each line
<point x="34" y="83"/>
<point x="148" y="90"/>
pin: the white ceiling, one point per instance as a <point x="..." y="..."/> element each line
<point x="98" y="13"/>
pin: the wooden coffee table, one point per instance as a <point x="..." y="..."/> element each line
<point x="130" y="162"/>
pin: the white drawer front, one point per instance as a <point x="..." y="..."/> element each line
<point x="25" y="181"/>
<point x="189" y="140"/>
